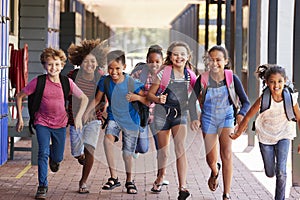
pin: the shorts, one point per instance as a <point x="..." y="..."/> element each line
<point x="165" y="123"/>
<point x="129" y="137"/>
<point x="211" y="125"/>
<point x="87" y="136"/>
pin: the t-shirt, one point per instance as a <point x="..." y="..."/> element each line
<point x="272" y="125"/>
<point x="119" y="109"/>
<point x="52" y="112"/>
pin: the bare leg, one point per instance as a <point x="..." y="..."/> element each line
<point x="226" y="157"/>
<point x="163" y="154"/>
<point x="210" y="141"/>
<point x="109" y="153"/>
<point x="89" y="161"/>
<point x="179" y="134"/>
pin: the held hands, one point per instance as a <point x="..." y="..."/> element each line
<point x="195" y="125"/>
<point x="238" y="130"/>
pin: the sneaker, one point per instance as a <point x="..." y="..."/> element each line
<point x="135" y="155"/>
<point x="41" y="192"/>
<point x="54" y="166"/>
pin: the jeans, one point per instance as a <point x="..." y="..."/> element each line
<point x="275" y="159"/>
<point x="56" y="152"/>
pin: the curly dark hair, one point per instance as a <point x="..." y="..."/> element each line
<point x="77" y="53"/>
<point x="265" y="71"/>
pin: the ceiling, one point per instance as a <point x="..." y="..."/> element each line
<point x="137" y="13"/>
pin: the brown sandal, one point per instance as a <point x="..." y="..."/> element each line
<point x="213" y="182"/>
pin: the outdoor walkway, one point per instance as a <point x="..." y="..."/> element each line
<point x="18" y="179"/>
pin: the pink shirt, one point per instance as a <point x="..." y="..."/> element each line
<point x="52" y="112"/>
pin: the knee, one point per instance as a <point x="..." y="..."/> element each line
<point x="226" y="154"/>
<point x="179" y="150"/>
<point x="163" y="154"/>
<point x="281" y="174"/>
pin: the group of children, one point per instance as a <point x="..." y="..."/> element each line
<point x="171" y="89"/>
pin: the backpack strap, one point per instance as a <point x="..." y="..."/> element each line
<point x="265" y="100"/>
<point x="65" y="83"/>
<point x="34" y="100"/>
<point x="288" y="104"/>
<point x="165" y="79"/>
<point x="204" y="82"/>
<point x="106" y="87"/>
<point x="144" y="73"/>
<point x="192" y="79"/>
<point x="231" y="89"/>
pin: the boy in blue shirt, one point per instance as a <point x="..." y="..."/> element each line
<point x="121" y="117"/>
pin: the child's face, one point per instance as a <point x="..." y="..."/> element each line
<point x="115" y="70"/>
<point x="179" y="56"/>
<point x="89" y="64"/>
<point x="276" y="83"/>
<point x="217" y="61"/>
<point x="154" y="61"/>
<point x="53" y="66"/>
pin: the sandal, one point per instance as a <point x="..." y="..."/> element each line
<point x="226" y="197"/>
<point x="111" y="184"/>
<point x="183" y="194"/>
<point x="131" y="188"/>
<point x="213" y="180"/>
<point x="157" y="187"/>
<point x="83" y="189"/>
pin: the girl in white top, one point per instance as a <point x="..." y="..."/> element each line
<point x="272" y="126"/>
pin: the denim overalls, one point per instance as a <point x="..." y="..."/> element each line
<point x="174" y="111"/>
<point x="217" y="111"/>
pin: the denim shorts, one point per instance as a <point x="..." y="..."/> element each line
<point x="129" y="137"/>
<point x="211" y="124"/>
<point x="87" y="136"/>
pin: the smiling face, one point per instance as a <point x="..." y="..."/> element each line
<point x="115" y="70"/>
<point x="217" y="61"/>
<point x="154" y="61"/>
<point x="53" y="66"/>
<point x="89" y="64"/>
<point x="179" y="56"/>
<point x="276" y="83"/>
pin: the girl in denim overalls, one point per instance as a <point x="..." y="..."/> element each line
<point x="171" y="114"/>
<point x="217" y="117"/>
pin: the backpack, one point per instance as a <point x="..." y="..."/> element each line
<point x="229" y="85"/>
<point x="166" y="76"/>
<point x="34" y="100"/>
<point x="142" y="109"/>
<point x="287" y="101"/>
<point x="144" y="73"/>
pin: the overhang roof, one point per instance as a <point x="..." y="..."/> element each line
<point x="137" y="13"/>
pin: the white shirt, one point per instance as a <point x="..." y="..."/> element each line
<point x="272" y="125"/>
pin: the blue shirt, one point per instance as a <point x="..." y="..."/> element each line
<point x="119" y="109"/>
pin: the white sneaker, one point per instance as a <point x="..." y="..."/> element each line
<point x="165" y="182"/>
<point x="135" y="155"/>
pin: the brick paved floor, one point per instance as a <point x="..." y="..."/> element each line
<point x="63" y="185"/>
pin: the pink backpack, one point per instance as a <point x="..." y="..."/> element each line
<point x="165" y="80"/>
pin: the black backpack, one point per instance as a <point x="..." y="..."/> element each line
<point x="142" y="109"/>
<point x="34" y="100"/>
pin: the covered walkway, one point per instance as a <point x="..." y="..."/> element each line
<point x="18" y="179"/>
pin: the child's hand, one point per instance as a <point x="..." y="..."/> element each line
<point x="195" y="125"/>
<point x="132" y="97"/>
<point x="298" y="148"/>
<point x="234" y="135"/>
<point x="163" y="98"/>
<point x="20" y="125"/>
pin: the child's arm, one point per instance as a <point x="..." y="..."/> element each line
<point x="297" y="114"/>
<point x="138" y="97"/>
<point x="244" y="123"/>
<point x="78" y="119"/>
<point x="92" y="106"/>
<point x="161" y="99"/>
<point x="20" y="123"/>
